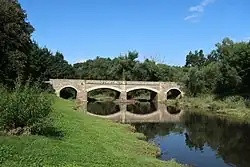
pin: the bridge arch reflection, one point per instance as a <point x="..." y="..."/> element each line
<point x="173" y="110"/>
<point x="120" y="113"/>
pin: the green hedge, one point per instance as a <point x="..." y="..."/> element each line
<point x="24" y="110"/>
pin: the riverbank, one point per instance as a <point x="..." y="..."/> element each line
<point x="231" y="107"/>
<point x="84" y="141"/>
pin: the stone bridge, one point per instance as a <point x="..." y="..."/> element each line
<point x="158" y="90"/>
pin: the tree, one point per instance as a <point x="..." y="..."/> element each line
<point x="195" y="59"/>
<point x="235" y="61"/>
<point x="122" y="66"/>
<point x="15" y="43"/>
<point x="212" y="75"/>
<point x="195" y="81"/>
<point x="60" y="68"/>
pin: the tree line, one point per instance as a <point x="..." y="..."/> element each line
<point x="223" y="71"/>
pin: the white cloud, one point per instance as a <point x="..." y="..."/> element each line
<point x="197" y="10"/>
<point x="193" y="16"/>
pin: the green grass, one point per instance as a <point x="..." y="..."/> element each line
<point x="233" y="107"/>
<point x="87" y="141"/>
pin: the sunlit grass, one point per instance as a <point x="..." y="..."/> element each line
<point x="87" y="141"/>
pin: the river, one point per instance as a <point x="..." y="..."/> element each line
<point x="197" y="140"/>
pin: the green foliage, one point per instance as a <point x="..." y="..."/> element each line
<point x="212" y="75"/>
<point x="44" y="65"/>
<point x="195" y="59"/>
<point x="225" y="71"/>
<point x="24" y="110"/>
<point x="19" y="56"/>
<point x="126" y="67"/>
<point x="15" y="43"/>
<point x="195" y="82"/>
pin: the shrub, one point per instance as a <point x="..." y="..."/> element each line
<point x="234" y="102"/>
<point x="24" y="110"/>
<point x="247" y="103"/>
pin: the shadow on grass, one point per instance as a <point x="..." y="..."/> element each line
<point x="50" y="132"/>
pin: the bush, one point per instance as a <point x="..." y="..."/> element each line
<point x="247" y="103"/>
<point x="234" y="101"/>
<point x="24" y="110"/>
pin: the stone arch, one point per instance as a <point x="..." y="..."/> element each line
<point x="68" y="86"/>
<point x="142" y="87"/>
<point x="104" y="87"/>
<point x="66" y="94"/>
<point x="176" y="90"/>
<point x="100" y="90"/>
<point x="153" y="92"/>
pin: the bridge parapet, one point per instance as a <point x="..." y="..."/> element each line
<point x="110" y="82"/>
<point x="142" y="83"/>
<point x="104" y="82"/>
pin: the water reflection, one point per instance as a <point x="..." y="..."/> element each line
<point x="142" y="108"/>
<point x="173" y="110"/>
<point x="201" y="141"/>
<point x="103" y="108"/>
<point x="150" y="130"/>
<point x="138" y="112"/>
<point x="108" y="108"/>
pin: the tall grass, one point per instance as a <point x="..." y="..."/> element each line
<point x="24" y="110"/>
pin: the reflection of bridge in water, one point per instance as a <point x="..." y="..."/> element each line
<point x="162" y="114"/>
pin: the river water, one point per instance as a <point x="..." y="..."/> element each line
<point x="197" y="140"/>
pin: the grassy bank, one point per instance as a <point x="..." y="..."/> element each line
<point x="86" y="141"/>
<point x="231" y="107"/>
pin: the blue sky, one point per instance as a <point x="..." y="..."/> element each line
<point x="163" y="29"/>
